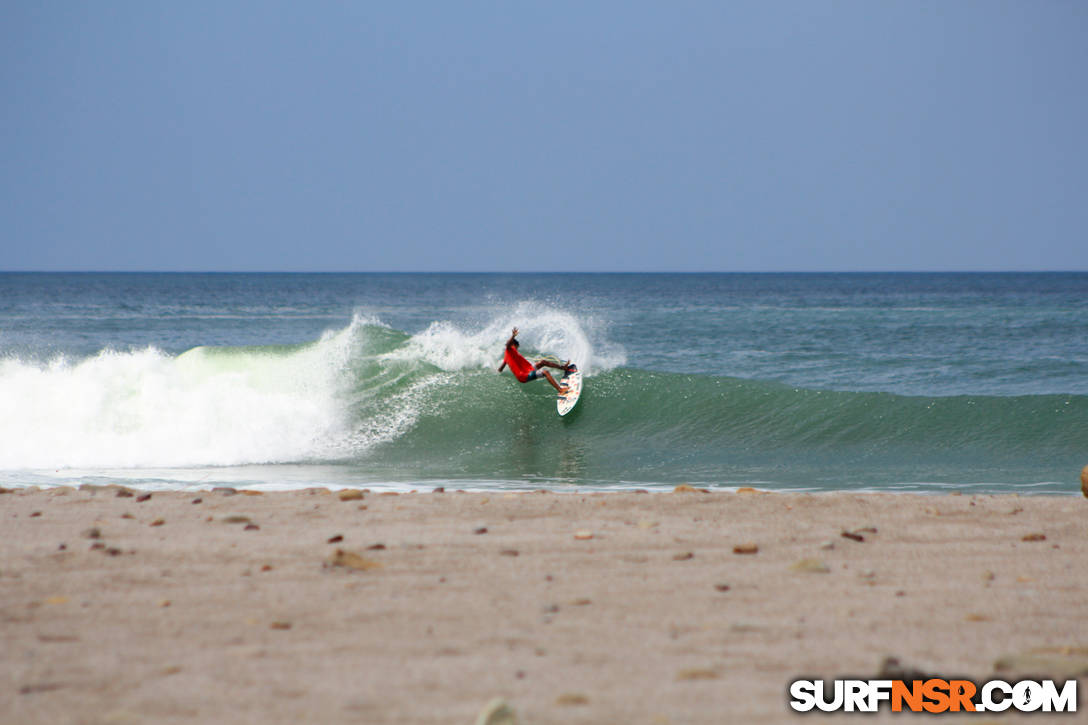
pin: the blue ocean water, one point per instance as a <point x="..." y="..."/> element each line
<point x="973" y="382"/>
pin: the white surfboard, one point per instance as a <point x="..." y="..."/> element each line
<point x="573" y="380"/>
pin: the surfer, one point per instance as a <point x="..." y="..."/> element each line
<point x="524" y="370"/>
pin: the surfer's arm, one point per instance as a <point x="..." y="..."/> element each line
<point x="509" y="342"/>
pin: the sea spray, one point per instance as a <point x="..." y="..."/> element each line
<point x="145" y="408"/>
<point x="544" y="331"/>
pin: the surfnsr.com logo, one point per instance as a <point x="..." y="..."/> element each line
<point x="933" y="696"/>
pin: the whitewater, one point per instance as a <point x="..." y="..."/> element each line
<point x="882" y="382"/>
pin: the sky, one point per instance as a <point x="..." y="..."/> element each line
<point x="737" y="136"/>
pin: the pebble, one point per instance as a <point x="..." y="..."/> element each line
<point x="572" y="698"/>
<point x="811" y="566"/>
<point x="827" y="545"/>
<point x="252" y="527"/>
<point x="124" y="493"/>
<point x="684" y="488"/>
<point x="497" y="712"/>
<point x="684" y="556"/>
<point x="198" y="500"/>
<point x="1084" y="481"/>
<point x="225" y="490"/>
<point x="509" y="552"/>
<point x="158" y="522"/>
<point x="93" y="533"/>
<point x="335" y="539"/>
<point x="350" y="494"/>
<point x="583" y="535"/>
<point x="480" y="530"/>
<point x="696" y="673"/>
<point x="281" y="625"/>
<point x="1034" y="537"/>
<point x="352" y="560"/>
<point x="236" y="519"/>
<point x="143" y="497"/>
<point x="747" y="548"/>
<point x="721" y="587"/>
<point x="852" y="535"/>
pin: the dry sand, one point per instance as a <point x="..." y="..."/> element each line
<point x="602" y="608"/>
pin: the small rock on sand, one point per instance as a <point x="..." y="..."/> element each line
<point x="684" y="488"/>
<point x="697" y="673"/>
<point x="572" y="698"/>
<point x="352" y="560"/>
<point x="746" y="548"/>
<point x="1034" y="537"/>
<point x="1084" y="481"/>
<point x="811" y="566"/>
<point x="583" y="535"/>
<point x="497" y="712"/>
<point x="350" y="494"/>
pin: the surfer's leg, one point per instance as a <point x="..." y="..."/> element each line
<point x="562" y="389"/>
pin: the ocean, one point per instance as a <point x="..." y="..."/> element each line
<point x="801" y="382"/>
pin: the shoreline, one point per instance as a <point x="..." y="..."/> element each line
<point x="663" y="607"/>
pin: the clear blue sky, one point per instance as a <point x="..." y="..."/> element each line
<point x="541" y="136"/>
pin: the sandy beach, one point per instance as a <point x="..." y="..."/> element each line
<point x="678" y="607"/>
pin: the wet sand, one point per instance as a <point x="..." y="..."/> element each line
<point x="295" y="607"/>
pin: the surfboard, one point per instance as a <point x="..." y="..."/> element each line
<point x="573" y="380"/>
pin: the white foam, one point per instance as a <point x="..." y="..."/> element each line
<point x="544" y="330"/>
<point x="145" y="408"/>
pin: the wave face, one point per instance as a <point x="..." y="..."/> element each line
<point x="384" y="405"/>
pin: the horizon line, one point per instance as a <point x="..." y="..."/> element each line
<point x="542" y="272"/>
